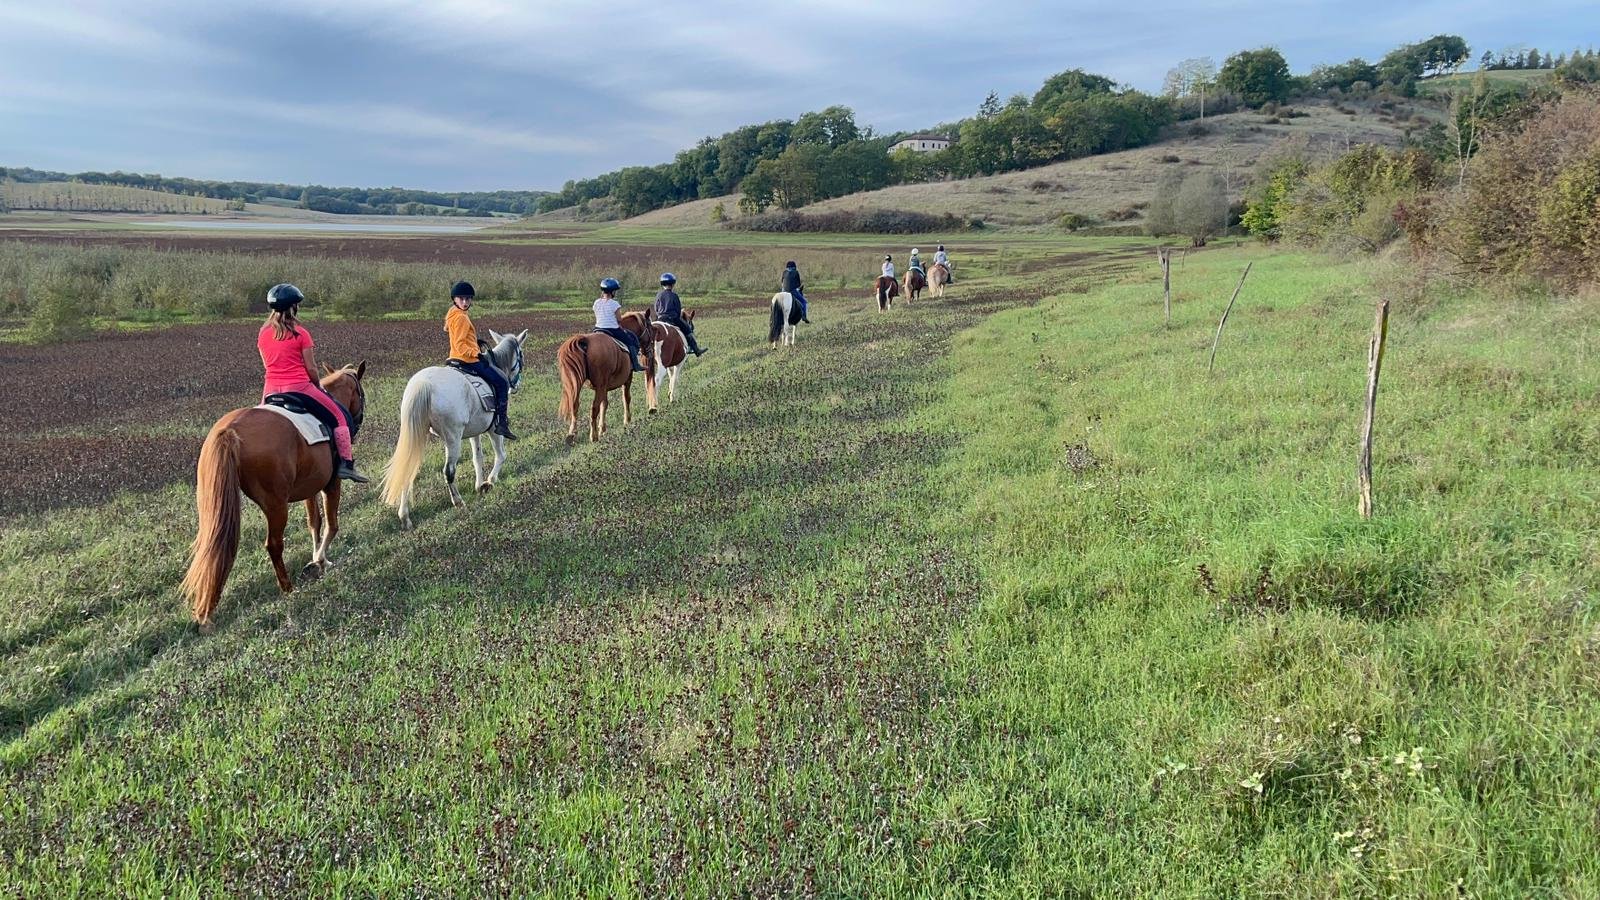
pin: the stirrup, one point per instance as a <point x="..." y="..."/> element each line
<point x="347" y="471"/>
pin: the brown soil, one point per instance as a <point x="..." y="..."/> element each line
<point x="432" y="248"/>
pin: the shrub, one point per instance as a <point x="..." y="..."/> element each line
<point x="866" y="221"/>
<point x="1073" y="221"/>
<point x="1195" y="206"/>
<point x="719" y="214"/>
<point x="1355" y="202"/>
<point x="64" y="308"/>
<point x="1171" y="158"/>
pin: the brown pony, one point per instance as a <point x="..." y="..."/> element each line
<point x="914" y="284"/>
<point x="262" y="454"/>
<point x="938" y="277"/>
<point x="888" y="289"/>
<point x="596" y="358"/>
<point x="670" y="351"/>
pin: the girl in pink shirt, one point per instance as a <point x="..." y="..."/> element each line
<point x="286" y="347"/>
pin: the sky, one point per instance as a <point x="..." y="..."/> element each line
<point x="494" y="94"/>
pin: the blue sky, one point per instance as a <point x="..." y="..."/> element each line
<point x="486" y="94"/>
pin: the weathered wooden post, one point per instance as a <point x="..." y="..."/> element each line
<point x="1165" y="255"/>
<point x="1380" y="334"/>
<point x="1224" y="321"/>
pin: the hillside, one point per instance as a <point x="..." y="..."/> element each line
<point x="1116" y="184"/>
<point x="69" y="196"/>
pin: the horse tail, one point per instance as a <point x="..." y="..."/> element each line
<point x="572" y="361"/>
<point x="217" y="500"/>
<point x="776" y="331"/>
<point x="416" y="408"/>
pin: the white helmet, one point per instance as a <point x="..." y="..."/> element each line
<point x="914" y="251"/>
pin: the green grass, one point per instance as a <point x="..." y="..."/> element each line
<point x="858" y="618"/>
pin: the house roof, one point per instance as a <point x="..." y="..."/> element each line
<point x="924" y="137"/>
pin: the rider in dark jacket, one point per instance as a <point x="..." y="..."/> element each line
<point x="669" y="310"/>
<point x="791" y="285"/>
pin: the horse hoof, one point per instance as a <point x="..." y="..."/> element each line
<point x="484" y="488"/>
<point x="652" y="410"/>
<point x="207" y="627"/>
<point x="569" y="440"/>
<point x="405" y="525"/>
<point x="311" y="572"/>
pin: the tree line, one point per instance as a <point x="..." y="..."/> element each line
<point x="347" y="200"/>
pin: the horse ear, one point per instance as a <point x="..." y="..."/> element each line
<point x="522" y="337"/>
<point x="327" y="369"/>
<point x="494" y="336"/>
<point x="361" y="369"/>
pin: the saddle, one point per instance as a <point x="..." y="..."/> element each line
<point x="620" y="345"/>
<point x="314" y="422"/>
<point x="479" y="386"/>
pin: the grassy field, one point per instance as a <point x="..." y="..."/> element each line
<point x="79" y="197"/>
<point x="913" y="608"/>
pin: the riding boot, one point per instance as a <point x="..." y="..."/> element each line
<point x="502" y="425"/>
<point x="347" y="471"/>
<point x="694" y="346"/>
<point x="634" y="355"/>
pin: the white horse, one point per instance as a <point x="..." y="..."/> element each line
<point x="440" y="399"/>
<point x="785" y="313"/>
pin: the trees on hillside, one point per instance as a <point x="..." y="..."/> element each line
<point x="1259" y="76"/>
<point x="1403" y="66"/>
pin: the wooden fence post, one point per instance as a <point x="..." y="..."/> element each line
<point x="1380" y="334"/>
<point x="1224" y="320"/>
<point x="1165" y="255"/>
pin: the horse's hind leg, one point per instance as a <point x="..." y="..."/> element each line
<point x="597" y="416"/>
<point x="452" y="455"/>
<point x="672" y="383"/>
<point x="627" y="402"/>
<point x="277" y="513"/>
<point x="499" y="460"/>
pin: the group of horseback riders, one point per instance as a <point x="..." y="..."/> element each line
<point x="940" y="258"/>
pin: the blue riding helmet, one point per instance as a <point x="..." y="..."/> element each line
<point x="668" y="278"/>
<point x="611" y="284"/>
<point x="282" y="297"/>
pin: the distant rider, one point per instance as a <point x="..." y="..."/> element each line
<point x="941" y="258"/>
<point x="916" y="262"/>
<point x="792" y="286"/>
<point x="605" y="320"/>
<point x="888" y="267"/>
<point x="669" y="310"/>
<point x="464" y="352"/>
<point x="286" y="353"/>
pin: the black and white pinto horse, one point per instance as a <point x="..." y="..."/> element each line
<point x="785" y="315"/>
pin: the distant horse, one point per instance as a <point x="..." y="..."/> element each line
<point x="671" y="349"/>
<point x="888" y="289"/>
<point x="785" y="316"/>
<point x="603" y="363"/>
<point x="262" y="454"/>
<point x="914" y="284"/>
<point x="441" y="400"/>
<point x="938" y="277"/>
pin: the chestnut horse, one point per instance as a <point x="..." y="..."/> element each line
<point x="597" y="358"/>
<point x="670" y="351"/>
<point x="938" y="277"/>
<point x="914" y="284"/>
<point x="261" y="453"/>
<point x="888" y="289"/>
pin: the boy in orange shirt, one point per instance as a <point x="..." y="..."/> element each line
<point x="464" y="350"/>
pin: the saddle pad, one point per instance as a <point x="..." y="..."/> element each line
<point x="484" y="391"/>
<point x="313" y="431"/>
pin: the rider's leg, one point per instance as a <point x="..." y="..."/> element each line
<point x="631" y="340"/>
<point x="502" y="396"/>
<point x="803" y="309"/>
<point x="687" y="328"/>
<point x="341" y="432"/>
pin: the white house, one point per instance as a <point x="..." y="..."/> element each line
<point x="922" y="143"/>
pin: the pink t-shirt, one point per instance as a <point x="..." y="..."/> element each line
<point x="285" y="362"/>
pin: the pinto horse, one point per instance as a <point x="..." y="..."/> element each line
<point x="262" y="454"/>
<point x="914" y="284"/>
<point x="938" y="277"/>
<point x="671" y="349"/>
<point x="785" y="316"/>
<point x="600" y="361"/>
<point x="888" y="289"/>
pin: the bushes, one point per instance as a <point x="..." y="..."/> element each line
<point x="1357" y="202"/>
<point x="1531" y="201"/>
<point x="866" y="221"/>
<point x="1074" y="221"/>
<point x="1195" y="206"/>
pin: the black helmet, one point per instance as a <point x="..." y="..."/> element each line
<point x="791" y="265"/>
<point x="887" y="257"/>
<point x="941" y="246"/>
<point x="668" y="278"/>
<point x="462" y="289"/>
<point x="284" y="297"/>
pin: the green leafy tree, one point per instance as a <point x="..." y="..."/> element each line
<point x="1263" y="215"/>
<point x="1259" y="76"/>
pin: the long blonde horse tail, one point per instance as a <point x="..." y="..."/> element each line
<point x="217" y="500"/>
<point x="572" y="360"/>
<point x="401" y="471"/>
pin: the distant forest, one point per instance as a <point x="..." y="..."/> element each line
<point x="343" y="200"/>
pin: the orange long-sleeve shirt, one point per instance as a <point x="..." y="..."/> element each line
<point x="463" y="335"/>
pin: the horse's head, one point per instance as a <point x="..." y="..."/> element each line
<point x="506" y="355"/>
<point x="344" y="385"/>
<point x="643" y="327"/>
<point x="688" y="316"/>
